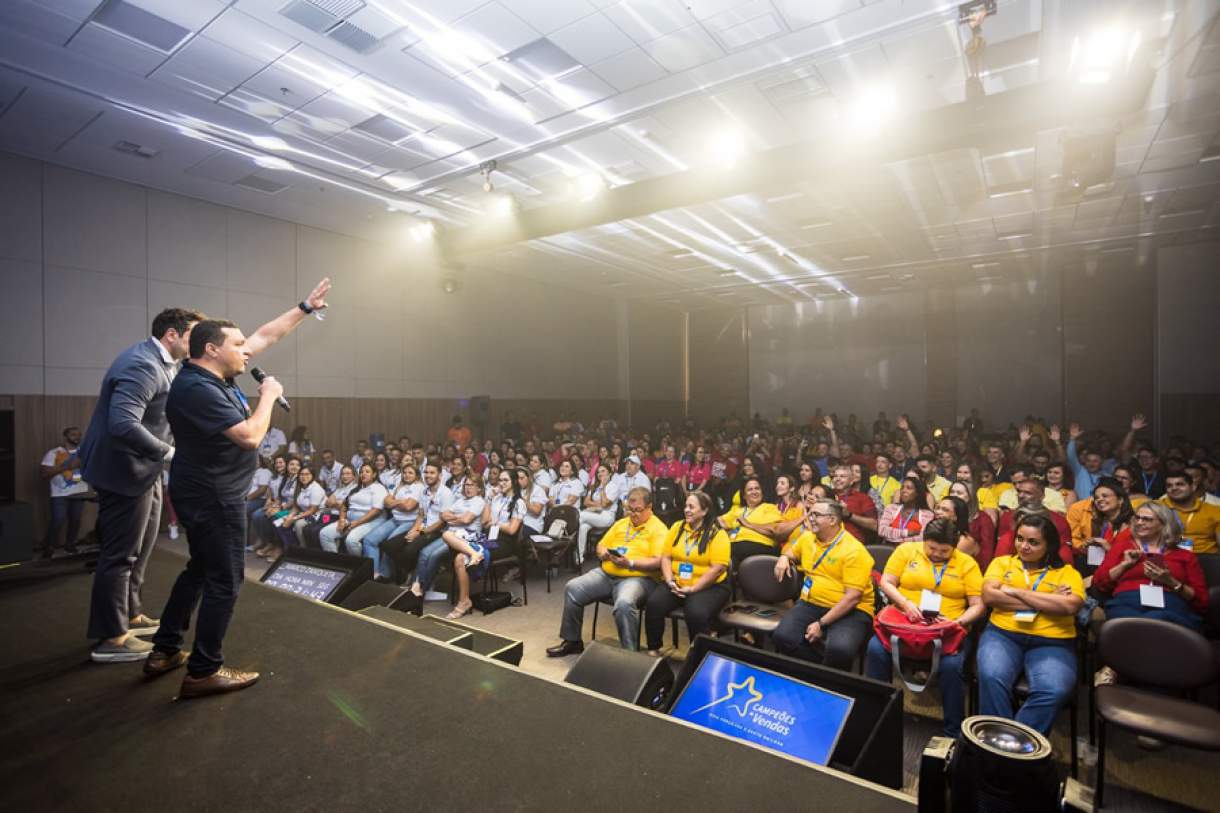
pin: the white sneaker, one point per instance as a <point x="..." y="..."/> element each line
<point x="173" y="531"/>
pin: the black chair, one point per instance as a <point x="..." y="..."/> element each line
<point x="508" y="554"/>
<point x="760" y="593"/>
<point x="552" y="549"/>
<point x="639" y="634"/>
<point x="881" y="555"/>
<point x="1210" y="563"/>
<point x="1184" y="661"/>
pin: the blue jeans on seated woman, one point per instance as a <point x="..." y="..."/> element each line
<point x="1175" y="611"/>
<point x="431" y="558"/>
<point x="1048" y="663"/>
<point x="879" y="666"/>
<point x="371" y="544"/>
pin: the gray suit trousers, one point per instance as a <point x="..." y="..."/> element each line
<point x="127" y="531"/>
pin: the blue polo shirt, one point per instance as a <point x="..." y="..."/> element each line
<point x="207" y="465"/>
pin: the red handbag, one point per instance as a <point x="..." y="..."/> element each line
<point x="918" y="640"/>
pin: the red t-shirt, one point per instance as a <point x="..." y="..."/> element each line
<point x="699" y="472"/>
<point x="1006" y="535"/>
<point x="982" y="528"/>
<point x="858" y="503"/>
<point x="674" y="469"/>
<point x="1183" y="564"/>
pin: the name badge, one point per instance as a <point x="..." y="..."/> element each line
<point x="1096" y="555"/>
<point x="806" y="586"/>
<point x="1025" y="616"/>
<point x="686" y="571"/>
<point x="622" y="550"/>
<point x="929" y="601"/>
<point x="1152" y="595"/>
<point x="733" y="533"/>
<point x="1186" y="543"/>
<point x="494" y="533"/>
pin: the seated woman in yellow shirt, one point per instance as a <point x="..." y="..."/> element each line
<point x="694" y="571"/>
<point x="749" y="526"/>
<point x="1034" y="596"/>
<point x="935" y="576"/>
<point x="835" y="611"/>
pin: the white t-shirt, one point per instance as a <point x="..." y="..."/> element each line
<point x="274" y="439"/>
<point x="61" y="485"/>
<point x="273" y="486"/>
<point x="330" y="477"/>
<point x="583" y="476"/>
<point x="534" y="523"/>
<point x="412" y="491"/>
<point x="433" y="502"/>
<point x="262" y="477"/>
<point x="468" y="505"/>
<point x="310" y="496"/>
<point x="499" y="509"/>
<point x="544" y="478"/>
<point x="357" y="461"/>
<point x="339" y="495"/>
<point x="284" y="493"/>
<point x="627" y="482"/>
<point x="390" y="478"/>
<point x="612" y="494"/>
<point x="365" y="500"/>
<point x="563" y="489"/>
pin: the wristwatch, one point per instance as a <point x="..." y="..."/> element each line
<point x="305" y="308"/>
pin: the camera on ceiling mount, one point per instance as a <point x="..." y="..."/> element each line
<point x="488" y="167"/>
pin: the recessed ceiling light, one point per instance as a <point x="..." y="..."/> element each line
<point x="855" y="258"/>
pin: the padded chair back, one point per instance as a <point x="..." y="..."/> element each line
<point x="1211" y="621"/>
<point x="881" y="555"/>
<point x="1211" y="569"/>
<point x="568" y="514"/>
<point x="756" y="579"/>
<point x="1157" y="653"/>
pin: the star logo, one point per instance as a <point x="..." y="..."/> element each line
<point x="743" y="707"/>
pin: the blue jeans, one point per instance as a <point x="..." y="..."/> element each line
<point x="371" y="544"/>
<point x="628" y="595"/>
<point x="64" y="511"/>
<point x="841" y="642"/>
<point x="430" y="560"/>
<point x="1176" y="610"/>
<point x="879" y="666"/>
<point x="1049" y="664"/>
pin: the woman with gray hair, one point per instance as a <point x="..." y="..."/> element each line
<point x="1146" y="574"/>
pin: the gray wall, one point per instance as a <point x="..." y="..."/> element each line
<point x="85" y="262"/>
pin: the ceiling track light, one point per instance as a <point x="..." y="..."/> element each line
<point x="486" y="168"/>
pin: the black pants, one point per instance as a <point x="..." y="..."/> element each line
<point x="404" y="554"/>
<point x="126" y="531"/>
<point x="311" y="533"/>
<point x="746" y="548"/>
<point x="64" y="511"/>
<point x="840" y="645"/>
<point x="216" y="537"/>
<point x="701" y="609"/>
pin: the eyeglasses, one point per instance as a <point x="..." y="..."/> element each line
<point x="822" y="514"/>
<point x="1145" y="518"/>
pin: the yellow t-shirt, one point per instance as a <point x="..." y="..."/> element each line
<point x="683" y="551"/>
<point x="1052" y="500"/>
<point x="644" y="542"/>
<point x="959" y="578"/>
<point x="1009" y="570"/>
<point x="989" y="496"/>
<point x="847" y="564"/>
<point x="763" y="514"/>
<point x="886" y="487"/>
<point x="1197" y="523"/>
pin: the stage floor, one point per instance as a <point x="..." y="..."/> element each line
<point x="349" y="715"/>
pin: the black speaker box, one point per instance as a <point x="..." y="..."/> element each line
<point x="427" y="626"/>
<point x="16" y="532"/>
<point x="620" y="673"/>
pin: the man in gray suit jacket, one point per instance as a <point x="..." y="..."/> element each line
<point x="125" y="449"/>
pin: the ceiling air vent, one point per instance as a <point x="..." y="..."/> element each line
<point x="354" y="37"/>
<point x="144" y="27"/>
<point x="138" y="150"/>
<point x="259" y="184"/>
<point x="320" y="15"/>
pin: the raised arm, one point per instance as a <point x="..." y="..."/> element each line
<point x="904" y="425"/>
<point x="1126" y="449"/>
<point x="829" y="423"/>
<point x="286" y="322"/>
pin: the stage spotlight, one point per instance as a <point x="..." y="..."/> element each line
<point x="1102" y="55"/>
<point x="871" y="109"/>
<point x="726" y="148"/>
<point x="588" y="185"/>
<point x="271" y="162"/>
<point x="269" y="142"/>
<point x="422" y="231"/>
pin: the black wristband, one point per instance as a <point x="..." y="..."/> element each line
<point x="304" y="306"/>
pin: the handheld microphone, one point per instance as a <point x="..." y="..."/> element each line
<point x="258" y="376"/>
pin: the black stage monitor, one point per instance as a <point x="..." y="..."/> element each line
<point x="318" y="575"/>
<point x="799" y="708"/>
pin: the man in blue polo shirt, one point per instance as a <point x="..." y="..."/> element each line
<point x="217" y="436"/>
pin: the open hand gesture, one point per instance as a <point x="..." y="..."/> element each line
<point x="317" y="297"/>
<point x="1138" y="422"/>
<point x="1075" y="431"/>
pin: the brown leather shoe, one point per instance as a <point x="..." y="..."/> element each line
<point x="159" y="663"/>
<point x="223" y="680"/>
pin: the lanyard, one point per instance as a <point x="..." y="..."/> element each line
<point x="829" y="548"/>
<point x="241" y="396"/>
<point x="628" y="536"/>
<point x="692" y="544"/>
<point x="1034" y="589"/>
<point x="1148" y="481"/>
<point x="936" y="577"/>
<point x="903" y="521"/>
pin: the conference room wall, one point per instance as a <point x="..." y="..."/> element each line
<point x="1188" y="368"/>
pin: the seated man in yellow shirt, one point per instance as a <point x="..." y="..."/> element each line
<point x="1199" y="520"/>
<point x="1052" y="500"/>
<point x="630" y="554"/>
<point x="836" y="606"/>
